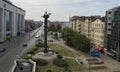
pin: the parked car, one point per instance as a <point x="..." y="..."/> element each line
<point x="2" y="49"/>
<point x="37" y="36"/>
<point x="37" y="39"/>
<point x="50" y="40"/>
<point x="81" y="62"/>
<point x="99" y="62"/>
<point x="24" y="44"/>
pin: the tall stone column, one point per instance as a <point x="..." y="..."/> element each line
<point x="46" y="16"/>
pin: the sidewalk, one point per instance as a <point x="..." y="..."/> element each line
<point x="18" y="39"/>
<point x="14" y="40"/>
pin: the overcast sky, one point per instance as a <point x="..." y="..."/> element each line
<point x="61" y="10"/>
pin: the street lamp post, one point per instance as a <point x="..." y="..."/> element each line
<point x="46" y="16"/>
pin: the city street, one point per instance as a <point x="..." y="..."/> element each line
<point x="14" y="50"/>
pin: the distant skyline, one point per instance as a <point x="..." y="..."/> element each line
<point x="61" y="10"/>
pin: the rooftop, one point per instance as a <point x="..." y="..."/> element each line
<point x="9" y="2"/>
<point x="92" y="18"/>
<point x="23" y="67"/>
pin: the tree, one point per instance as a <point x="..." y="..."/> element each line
<point x="60" y="62"/>
<point x="76" y="40"/>
<point x="58" y="27"/>
<point x="54" y="28"/>
<point x="41" y="62"/>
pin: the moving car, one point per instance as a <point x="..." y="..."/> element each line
<point x="2" y="49"/>
<point x="37" y="36"/>
<point x="25" y="44"/>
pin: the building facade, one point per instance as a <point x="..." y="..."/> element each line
<point x="97" y="32"/>
<point x="86" y="27"/>
<point x="92" y="27"/>
<point x="11" y="19"/>
<point x="76" y="23"/>
<point x="112" y="34"/>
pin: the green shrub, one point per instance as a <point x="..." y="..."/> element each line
<point x="60" y="62"/>
<point x="59" y="56"/>
<point x="49" y="70"/>
<point x="57" y="52"/>
<point x="99" y="67"/>
<point x="35" y="49"/>
<point x="41" y="62"/>
<point x="40" y="45"/>
<point x="27" y="57"/>
<point x="31" y="52"/>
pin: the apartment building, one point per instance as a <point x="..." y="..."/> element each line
<point x="92" y="27"/>
<point x="97" y="32"/>
<point x="86" y="25"/>
<point x="112" y="34"/>
<point x="76" y="23"/>
<point x="11" y="19"/>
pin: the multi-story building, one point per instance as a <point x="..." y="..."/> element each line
<point x="86" y="24"/>
<point x="97" y="32"/>
<point x="90" y="26"/>
<point x="11" y="19"/>
<point x="112" y="34"/>
<point x="74" y="23"/>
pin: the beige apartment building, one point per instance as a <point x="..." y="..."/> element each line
<point x="76" y="23"/>
<point x="97" y="32"/>
<point x="86" y="27"/>
<point x="92" y="27"/>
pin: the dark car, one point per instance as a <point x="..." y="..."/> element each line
<point x="50" y="40"/>
<point x="25" y="44"/>
<point x="2" y="49"/>
<point x="38" y="40"/>
<point x="81" y="62"/>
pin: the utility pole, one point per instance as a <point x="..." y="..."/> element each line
<point x="46" y="16"/>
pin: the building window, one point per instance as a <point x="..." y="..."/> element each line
<point x="17" y="23"/>
<point x="109" y="18"/>
<point x="109" y="12"/>
<point x="8" y="20"/>
<point x="109" y="23"/>
<point x="4" y="5"/>
<point x="22" y="26"/>
<point x="109" y="29"/>
<point x="102" y="26"/>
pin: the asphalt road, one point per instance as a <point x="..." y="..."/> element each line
<point x="15" y="50"/>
